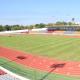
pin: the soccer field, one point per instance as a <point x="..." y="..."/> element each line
<point x="56" y="47"/>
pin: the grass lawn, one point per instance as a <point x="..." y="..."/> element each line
<point x="30" y="73"/>
<point x="57" y="47"/>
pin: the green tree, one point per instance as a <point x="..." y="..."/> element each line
<point x="7" y="27"/>
<point x="70" y="23"/>
<point x="1" y="28"/>
<point x="61" y="23"/>
<point x="41" y="25"/>
<point x="36" y="25"/>
<point x="30" y="27"/>
<point x="17" y="27"/>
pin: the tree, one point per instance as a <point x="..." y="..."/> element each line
<point x="1" y="28"/>
<point x="17" y="27"/>
<point x="70" y="23"/>
<point x="7" y="27"/>
<point x="61" y="23"/>
<point x="30" y="27"/>
<point x="36" y="25"/>
<point x="41" y="25"/>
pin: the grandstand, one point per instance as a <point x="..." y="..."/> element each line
<point x="64" y="28"/>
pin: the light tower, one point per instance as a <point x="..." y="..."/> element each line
<point x="73" y="21"/>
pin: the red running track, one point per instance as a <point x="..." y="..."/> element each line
<point x="41" y="63"/>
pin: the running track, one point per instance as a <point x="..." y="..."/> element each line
<point x="40" y="63"/>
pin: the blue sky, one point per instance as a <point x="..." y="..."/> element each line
<point x="38" y="11"/>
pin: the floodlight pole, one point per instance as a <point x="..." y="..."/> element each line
<point x="47" y="74"/>
<point x="54" y="66"/>
<point x="35" y="75"/>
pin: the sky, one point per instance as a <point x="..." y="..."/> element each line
<point x="26" y="12"/>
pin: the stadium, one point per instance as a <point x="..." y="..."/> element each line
<point x="40" y="54"/>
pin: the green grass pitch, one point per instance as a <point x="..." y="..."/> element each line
<point x="56" y="47"/>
